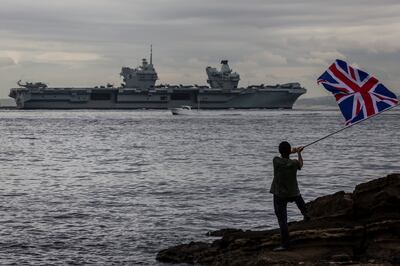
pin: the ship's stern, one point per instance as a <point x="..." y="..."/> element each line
<point x="18" y="96"/>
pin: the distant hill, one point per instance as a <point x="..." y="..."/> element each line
<point x="7" y="103"/>
<point x="320" y="102"/>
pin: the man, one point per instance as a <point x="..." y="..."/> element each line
<point x="285" y="188"/>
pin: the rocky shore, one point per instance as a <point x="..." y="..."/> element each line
<point x="356" y="228"/>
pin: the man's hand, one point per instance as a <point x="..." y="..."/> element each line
<point x="298" y="149"/>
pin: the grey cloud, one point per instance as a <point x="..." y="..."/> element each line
<point x="6" y="62"/>
<point x="266" y="41"/>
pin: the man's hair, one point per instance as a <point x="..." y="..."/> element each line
<point x="285" y="148"/>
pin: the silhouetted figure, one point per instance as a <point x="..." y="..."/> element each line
<point x="285" y="188"/>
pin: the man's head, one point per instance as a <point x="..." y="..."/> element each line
<point x="285" y="149"/>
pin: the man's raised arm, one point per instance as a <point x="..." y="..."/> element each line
<point x="299" y="157"/>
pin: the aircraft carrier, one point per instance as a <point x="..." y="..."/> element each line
<point x="139" y="91"/>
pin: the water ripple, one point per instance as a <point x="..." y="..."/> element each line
<point x="114" y="187"/>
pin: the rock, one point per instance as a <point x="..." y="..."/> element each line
<point x="338" y="204"/>
<point x="361" y="228"/>
<point x="183" y="253"/>
<point x="224" y="232"/>
<point x="377" y="197"/>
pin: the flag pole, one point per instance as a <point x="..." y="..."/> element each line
<point x="346" y="127"/>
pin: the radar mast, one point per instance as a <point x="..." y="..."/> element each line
<point x="151" y="54"/>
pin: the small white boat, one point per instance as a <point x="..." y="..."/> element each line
<point x="183" y="110"/>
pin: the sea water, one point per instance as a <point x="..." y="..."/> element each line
<point x="115" y="187"/>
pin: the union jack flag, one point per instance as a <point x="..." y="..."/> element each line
<point x="358" y="94"/>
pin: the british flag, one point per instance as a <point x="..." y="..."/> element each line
<point x="358" y="94"/>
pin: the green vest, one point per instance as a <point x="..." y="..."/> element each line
<point x="285" y="177"/>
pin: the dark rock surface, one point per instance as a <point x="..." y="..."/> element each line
<point x="359" y="228"/>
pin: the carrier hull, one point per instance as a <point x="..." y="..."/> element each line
<point x="125" y="98"/>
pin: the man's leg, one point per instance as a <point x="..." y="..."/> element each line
<point x="280" y="207"/>
<point x="302" y="206"/>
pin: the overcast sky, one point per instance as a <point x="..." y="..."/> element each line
<point x="86" y="42"/>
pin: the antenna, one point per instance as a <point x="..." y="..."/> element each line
<point x="151" y="54"/>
